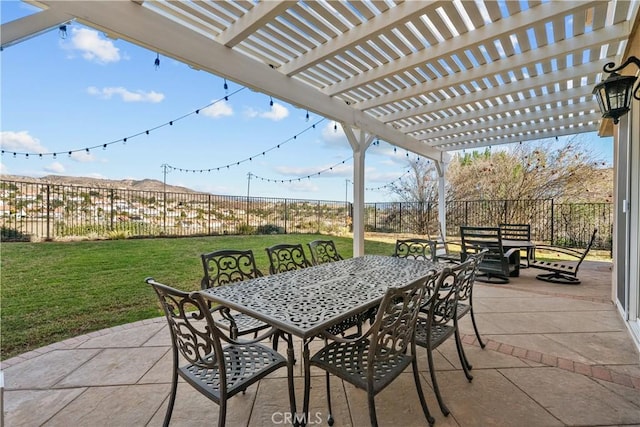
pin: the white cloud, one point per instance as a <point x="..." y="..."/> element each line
<point x="92" y="46"/>
<point x="333" y="135"/>
<point x="55" y="167"/>
<point x="343" y="169"/>
<point x="219" y="109"/>
<point x="83" y="157"/>
<point x="276" y="113"/>
<point x="20" y="141"/>
<point x="125" y="94"/>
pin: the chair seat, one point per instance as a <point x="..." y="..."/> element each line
<point x="245" y="324"/>
<point x="245" y="365"/>
<point x="349" y="361"/>
<point x="439" y="333"/>
<point x="462" y="309"/>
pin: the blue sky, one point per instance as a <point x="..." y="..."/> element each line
<point x="62" y="94"/>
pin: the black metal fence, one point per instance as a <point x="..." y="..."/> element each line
<point x="35" y="211"/>
<point x="561" y="224"/>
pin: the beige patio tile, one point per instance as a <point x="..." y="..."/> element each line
<point x="630" y="394"/>
<point x="491" y="400"/>
<point x="479" y="358"/>
<point x="111" y="406"/>
<point x="396" y="405"/>
<point x="46" y="370"/>
<point x="535" y="304"/>
<point x="161" y="338"/>
<point x="572" y="398"/>
<point x="114" y="367"/>
<point x="34" y="407"/>
<point x="124" y="338"/>
<point x="161" y="370"/>
<point x="611" y="348"/>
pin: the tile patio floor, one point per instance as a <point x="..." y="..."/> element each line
<point x="556" y="355"/>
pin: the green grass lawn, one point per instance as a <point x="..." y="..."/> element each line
<point x="57" y="290"/>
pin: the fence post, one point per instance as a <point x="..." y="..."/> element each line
<point x="375" y="217"/>
<point x="553" y="221"/>
<point x="466" y="220"/>
<point x="48" y="211"/>
<point x="506" y="207"/>
<point x="286" y="214"/>
<point x="209" y="214"/>
<point x="318" y="217"/>
<point x="400" y="215"/>
<point x="112" y="212"/>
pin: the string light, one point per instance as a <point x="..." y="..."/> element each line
<point x="250" y="158"/>
<point x="270" y="102"/>
<point x="389" y="184"/>
<point x="306" y="118"/>
<point x="156" y="63"/>
<point x="62" y="31"/>
<point x="125" y="139"/>
<point x="315" y="174"/>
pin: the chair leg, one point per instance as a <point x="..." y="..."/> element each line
<point x="172" y="399"/>
<point x="222" y="415"/>
<point x="307" y="381"/>
<point x="463" y="357"/>
<point x="475" y="327"/>
<point x="372" y="409"/>
<point x="423" y="402"/>
<point x="290" y="383"/>
<point x="330" y="417"/>
<point x="434" y="382"/>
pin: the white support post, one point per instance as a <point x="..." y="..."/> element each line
<point x="359" y="145"/>
<point x="441" y="167"/>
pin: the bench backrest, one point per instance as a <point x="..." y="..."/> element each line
<point x="515" y="231"/>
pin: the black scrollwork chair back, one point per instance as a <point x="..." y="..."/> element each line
<point x="415" y="249"/>
<point x="229" y="266"/>
<point x="323" y="251"/>
<point x="286" y="257"/>
<point x="217" y="371"/>
<point x="441" y="321"/>
<point x="465" y="294"/>
<point x="371" y="362"/>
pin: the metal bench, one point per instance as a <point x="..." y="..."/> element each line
<point x="563" y="272"/>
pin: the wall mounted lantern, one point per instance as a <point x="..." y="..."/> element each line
<point x="615" y="93"/>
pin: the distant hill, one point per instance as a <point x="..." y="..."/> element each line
<point x="125" y="184"/>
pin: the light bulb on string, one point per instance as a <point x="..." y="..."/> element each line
<point x="270" y="102"/>
<point x="306" y="118"/>
<point x="156" y="63"/>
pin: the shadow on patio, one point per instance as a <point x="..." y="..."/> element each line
<point x="556" y="355"/>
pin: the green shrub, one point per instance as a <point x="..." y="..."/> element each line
<point x="270" y="229"/>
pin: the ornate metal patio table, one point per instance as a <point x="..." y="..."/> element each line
<point x="305" y="302"/>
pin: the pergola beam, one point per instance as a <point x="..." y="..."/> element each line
<point x="30" y="26"/>
<point x="256" y="18"/>
<point x="138" y="25"/>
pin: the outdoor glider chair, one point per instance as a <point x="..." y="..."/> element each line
<point x="215" y="365"/>
<point x="497" y="265"/>
<point x="441" y="320"/>
<point x="442" y="251"/>
<point x="323" y="251"/>
<point x="230" y="266"/>
<point x="465" y="293"/>
<point x="415" y="249"/>
<point x="562" y="271"/>
<point x="518" y="232"/>
<point x="286" y="257"/>
<point x="373" y="361"/>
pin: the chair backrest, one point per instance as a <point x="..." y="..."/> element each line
<point x="194" y="334"/>
<point x="394" y="327"/>
<point x="323" y="251"/>
<point x="475" y="239"/>
<point x="515" y="231"/>
<point x="228" y="266"/>
<point x="447" y="289"/>
<point x="415" y="249"/>
<point x="468" y="275"/>
<point x="286" y="257"/>
<point x="588" y="248"/>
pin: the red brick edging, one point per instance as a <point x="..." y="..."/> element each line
<point x="594" y="371"/>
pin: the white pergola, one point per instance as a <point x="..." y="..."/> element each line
<point x="426" y="76"/>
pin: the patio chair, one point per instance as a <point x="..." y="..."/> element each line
<point x="373" y="361"/>
<point x="497" y="264"/>
<point x="415" y="249"/>
<point x="442" y="251"/>
<point x="286" y="257"/>
<point x="566" y="271"/>
<point x="218" y="372"/>
<point x="518" y="232"/>
<point x="465" y="293"/>
<point x="323" y="251"/>
<point x="229" y="266"/>
<point x="441" y="320"/>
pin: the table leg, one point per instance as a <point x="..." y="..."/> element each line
<point x="290" y="362"/>
<point x="307" y="381"/>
